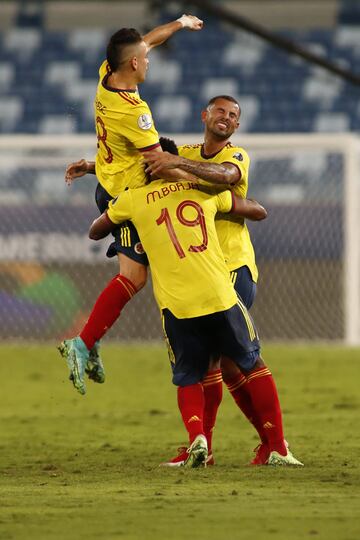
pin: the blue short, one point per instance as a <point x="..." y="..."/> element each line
<point x="126" y="238"/>
<point x="192" y="342"/>
<point x="244" y="285"/>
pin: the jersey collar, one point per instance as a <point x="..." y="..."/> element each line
<point x="111" y="89"/>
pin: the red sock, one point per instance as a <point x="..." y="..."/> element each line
<point x="191" y="404"/>
<point x="213" y="391"/>
<point x="237" y="387"/>
<point x="264" y="396"/>
<point x="107" y="309"/>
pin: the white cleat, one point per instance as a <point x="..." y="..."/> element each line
<point x="197" y="453"/>
<point x="277" y="459"/>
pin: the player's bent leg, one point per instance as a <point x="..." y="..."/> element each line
<point x="133" y="270"/>
<point x="76" y="355"/>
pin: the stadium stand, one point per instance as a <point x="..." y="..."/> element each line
<point x="44" y="74"/>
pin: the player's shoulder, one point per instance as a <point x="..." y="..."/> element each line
<point x="132" y="100"/>
<point x="190" y="148"/>
<point x="237" y="152"/>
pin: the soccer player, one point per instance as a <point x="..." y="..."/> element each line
<point x="202" y="314"/>
<point x="124" y="127"/>
<point x="217" y="160"/>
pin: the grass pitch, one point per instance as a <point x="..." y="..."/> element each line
<point x="87" y="467"/>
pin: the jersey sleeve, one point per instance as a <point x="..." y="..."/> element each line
<point x="140" y="129"/>
<point x="239" y="158"/>
<point x="224" y="201"/>
<point x="120" y="208"/>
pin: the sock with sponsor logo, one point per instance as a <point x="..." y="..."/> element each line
<point x="265" y="400"/>
<point x="107" y="309"/>
<point x="191" y="404"/>
<point x="237" y="387"/>
<point x="213" y="391"/>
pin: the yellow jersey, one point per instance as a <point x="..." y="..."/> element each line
<point x="124" y="126"/>
<point x="176" y="225"/>
<point x="232" y="231"/>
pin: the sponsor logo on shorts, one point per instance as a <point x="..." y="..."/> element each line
<point x="139" y="249"/>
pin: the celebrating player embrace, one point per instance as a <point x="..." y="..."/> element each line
<point x="202" y="314"/>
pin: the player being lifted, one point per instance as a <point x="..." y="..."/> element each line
<point x="176" y="225"/>
<point x="124" y="127"/>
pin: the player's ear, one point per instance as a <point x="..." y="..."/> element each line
<point x="203" y="116"/>
<point x="134" y="63"/>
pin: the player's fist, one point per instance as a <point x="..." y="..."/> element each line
<point x="191" y="22"/>
<point x="76" y="170"/>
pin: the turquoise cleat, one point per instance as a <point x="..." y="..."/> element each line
<point x="76" y="355"/>
<point x="95" y="368"/>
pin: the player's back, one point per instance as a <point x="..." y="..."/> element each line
<point x="232" y="231"/>
<point x="123" y="126"/>
<point x="176" y="225"/>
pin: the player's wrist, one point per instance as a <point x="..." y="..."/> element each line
<point x="182" y="20"/>
<point x="90" y="166"/>
<point x="189" y="21"/>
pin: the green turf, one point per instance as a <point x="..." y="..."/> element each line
<point x="86" y="467"/>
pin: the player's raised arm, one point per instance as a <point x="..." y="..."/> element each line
<point x="160" y="34"/>
<point x="78" y="169"/>
<point x="217" y="173"/>
<point x="247" y="208"/>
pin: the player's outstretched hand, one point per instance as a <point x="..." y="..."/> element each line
<point x="158" y="161"/>
<point x="191" y="22"/>
<point x="76" y="170"/>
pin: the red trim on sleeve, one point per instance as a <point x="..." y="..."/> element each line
<point x="148" y="148"/>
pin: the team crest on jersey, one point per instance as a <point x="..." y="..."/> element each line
<point x="139" y="249"/>
<point x="145" y="121"/>
<point x="238" y="156"/>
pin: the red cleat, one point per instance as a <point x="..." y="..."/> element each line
<point x="262" y="455"/>
<point x="182" y="456"/>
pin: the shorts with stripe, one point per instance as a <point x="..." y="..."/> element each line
<point x="244" y="285"/>
<point x="192" y="342"/>
<point x="126" y="238"/>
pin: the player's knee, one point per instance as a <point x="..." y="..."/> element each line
<point x="185" y="379"/>
<point x="140" y="280"/>
<point x="229" y="369"/>
<point x="134" y="272"/>
<point x="250" y="361"/>
<point x="214" y="363"/>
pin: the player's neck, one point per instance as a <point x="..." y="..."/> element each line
<point x="212" y="146"/>
<point x="121" y="81"/>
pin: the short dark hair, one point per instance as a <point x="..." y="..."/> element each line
<point x="117" y="43"/>
<point x="168" y="145"/>
<point x="228" y="98"/>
